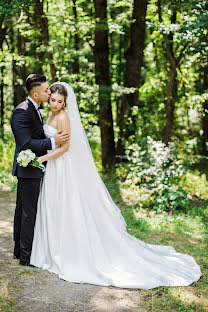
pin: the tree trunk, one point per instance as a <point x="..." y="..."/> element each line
<point x="3" y="31"/>
<point x="173" y="62"/>
<point x="2" y="37"/>
<point x="102" y="74"/>
<point x="2" y="102"/>
<point x="127" y="121"/>
<point x="42" y="24"/>
<point x="170" y="104"/>
<point x="204" y="138"/>
<point x="18" y="71"/>
<point x="75" y="64"/>
<point x="119" y="79"/>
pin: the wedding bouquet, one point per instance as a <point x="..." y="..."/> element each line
<point x="27" y="157"/>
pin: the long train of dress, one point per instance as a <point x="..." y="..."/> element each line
<point x="82" y="239"/>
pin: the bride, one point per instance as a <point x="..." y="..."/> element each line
<point x="80" y="233"/>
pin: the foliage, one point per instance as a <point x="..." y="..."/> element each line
<point x="9" y="7"/>
<point x="195" y="184"/>
<point x="22" y="45"/>
<point x="6" y="161"/>
<point x="23" y="52"/>
<point x="154" y="165"/>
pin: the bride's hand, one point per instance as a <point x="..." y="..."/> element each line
<point x="40" y="160"/>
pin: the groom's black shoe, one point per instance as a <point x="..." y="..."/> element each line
<point x="25" y="262"/>
<point x="16" y="254"/>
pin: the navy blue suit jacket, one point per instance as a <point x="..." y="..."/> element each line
<point x="28" y="133"/>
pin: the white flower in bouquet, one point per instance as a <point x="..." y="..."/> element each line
<point x="27" y="157"/>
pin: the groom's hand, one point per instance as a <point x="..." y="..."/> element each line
<point x="61" y="137"/>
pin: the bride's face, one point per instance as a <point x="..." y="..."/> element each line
<point x="56" y="102"/>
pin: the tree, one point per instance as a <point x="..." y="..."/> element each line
<point x="8" y="12"/>
<point x="102" y="74"/>
<point x="177" y="40"/>
<point x="76" y="40"/>
<point x="127" y="118"/>
<point x="39" y="21"/>
<point x="200" y="25"/>
<point x="18" y="67"/>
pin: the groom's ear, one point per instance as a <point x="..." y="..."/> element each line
<point x="35" y="95"/>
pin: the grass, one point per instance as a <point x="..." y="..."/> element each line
<point x="9" y="305"/>
<point x="186" y="231"/>
<point x="28" y="272"/>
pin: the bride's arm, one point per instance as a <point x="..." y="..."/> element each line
<point x="64" y="124"/>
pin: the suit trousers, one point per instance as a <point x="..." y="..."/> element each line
<point x="25" y="215"/>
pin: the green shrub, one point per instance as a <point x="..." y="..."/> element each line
<point x="156" y="167"/>
<point x="195" y="184"/>
<point x="7" y="148"/>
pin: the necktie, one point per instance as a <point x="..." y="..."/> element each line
<point x="40" y="106"/>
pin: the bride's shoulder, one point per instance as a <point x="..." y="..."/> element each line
<point x="63" y="120"/>
<point x="62" y="116"/>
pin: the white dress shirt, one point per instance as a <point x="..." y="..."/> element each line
<point x="36" y="107"/>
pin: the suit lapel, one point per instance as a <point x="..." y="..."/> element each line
<point x="35" y="111"/>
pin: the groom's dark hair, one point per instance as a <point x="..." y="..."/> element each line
<point x="34" y="80"/>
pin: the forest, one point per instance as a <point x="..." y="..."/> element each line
<point x="139" y="69"/>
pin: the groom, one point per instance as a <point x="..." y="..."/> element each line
<point x="27" y="127"/>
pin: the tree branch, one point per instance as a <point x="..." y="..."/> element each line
<point x="17" y="22"/>
<point x="1" y="20"/>
<point x="30" y="16"/>
<point x="159" y="10"/>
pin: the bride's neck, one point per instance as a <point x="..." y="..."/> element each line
<point x="53" y="114"/>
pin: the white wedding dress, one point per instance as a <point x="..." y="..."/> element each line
<point x="81" y="235"/>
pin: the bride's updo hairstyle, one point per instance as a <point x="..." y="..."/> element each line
<point x="61" y="90"/>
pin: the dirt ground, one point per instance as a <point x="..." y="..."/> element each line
<point x="35" y="290"/>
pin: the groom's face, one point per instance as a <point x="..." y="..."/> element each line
<point x="41" y="93"/>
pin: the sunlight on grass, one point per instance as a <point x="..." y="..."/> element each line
<point x="175" y="299"/>
<point x="181" y="223"/>
<point x="4" y="288"/>
<point x="189" y="297"/>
